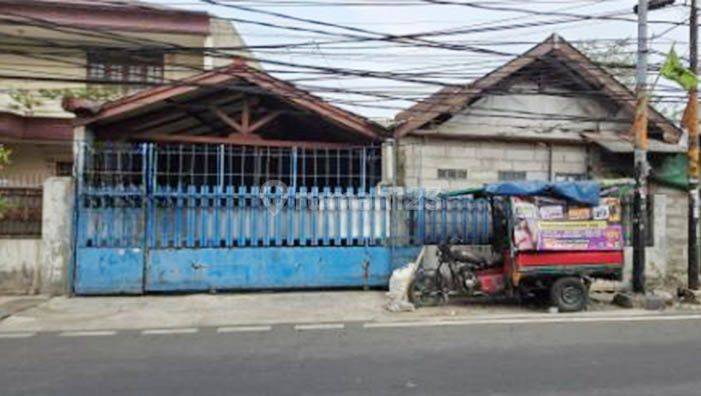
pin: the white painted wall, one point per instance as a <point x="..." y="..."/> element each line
<point x="57" y="234"/>
<point x="19" y="261"/>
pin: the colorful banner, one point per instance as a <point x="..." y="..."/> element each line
<point x="578" y="235"/>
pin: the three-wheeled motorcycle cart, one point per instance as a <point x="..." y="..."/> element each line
<point x="549" y="240"/>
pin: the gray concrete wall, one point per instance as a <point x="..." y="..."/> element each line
<point x="57" y="231"/>
<point x="421" y="159"/>
<point x="663" y="259"/>
<point x="672" y="231"/>
<point x="19" y="264"/>
<point x="536" y="111"/>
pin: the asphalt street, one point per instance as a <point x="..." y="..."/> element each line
<point x="614" y="358"/>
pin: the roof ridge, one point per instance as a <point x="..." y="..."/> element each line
<point x="448" y="101"/>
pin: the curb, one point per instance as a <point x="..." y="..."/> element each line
<point x="364" y="325"/>
<point x="19" y="305"/>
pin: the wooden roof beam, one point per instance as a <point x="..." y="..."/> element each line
<point x="227" y="120"/>
<point x="245" y="140"/>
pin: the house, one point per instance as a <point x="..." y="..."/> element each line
<point x="230" y="179"/>
<point x="98" y="48"/>
<point x="549" y="114"/>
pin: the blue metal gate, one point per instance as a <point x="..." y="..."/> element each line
<point x="139" y="232"/>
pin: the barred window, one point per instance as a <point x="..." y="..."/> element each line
<point x="562" y="176"/>
<point x="123" y="67"/>
<point x="63" y="168"/>
<point x="512" y="175"/>
<point x="452" y="174"/>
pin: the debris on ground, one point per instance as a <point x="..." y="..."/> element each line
<point x="653" y="301"/>
<point x="399" y="286"/>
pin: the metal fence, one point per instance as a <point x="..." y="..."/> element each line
<point x="210" y="217"/>
<point x="21" y="213"/>
<point x="182" y="166"/>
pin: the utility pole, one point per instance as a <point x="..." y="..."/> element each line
<point x="693" y="155"/>
<point x="640" y="153"/>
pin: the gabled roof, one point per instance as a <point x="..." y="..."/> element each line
<point x="237" y="72"/>
<point x="451" y="100"/>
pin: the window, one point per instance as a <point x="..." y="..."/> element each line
<point x="452" y="174"/>
<point x="561" y="177"/>
<point x="511" y="175"/>
<point x="127" y="68"/>
<point x="63" y="168"/>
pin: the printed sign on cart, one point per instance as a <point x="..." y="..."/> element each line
<point x="578" y="235"/>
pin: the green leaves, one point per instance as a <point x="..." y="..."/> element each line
<point x="674" y="70"/>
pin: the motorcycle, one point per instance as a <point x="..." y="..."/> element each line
<point x="457" y="273"/>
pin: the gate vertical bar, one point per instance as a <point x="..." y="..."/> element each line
<point x="146" y="150"/>
<point x="421" y="217"/>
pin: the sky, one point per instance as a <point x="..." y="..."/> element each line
<point x="486" y="39"/>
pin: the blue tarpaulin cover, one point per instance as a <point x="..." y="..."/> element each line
<point x="585" y="192"/>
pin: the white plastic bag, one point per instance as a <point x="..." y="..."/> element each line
<point x="399" y="286"/>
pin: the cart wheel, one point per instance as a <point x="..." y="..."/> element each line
<point x="569" y="294"/>
<point x="423" y="292"/>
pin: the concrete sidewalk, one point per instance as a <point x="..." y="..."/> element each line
<point x="11" y="305"/>
<point x="205" y="310"/>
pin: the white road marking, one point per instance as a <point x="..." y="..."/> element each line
<point x="96" y="333"/>
<point x="169" y="331"/>
<point x="243" y="329"/>
<point x="320" y="326"/>
<point x="17" y="335"/>
<point x="438" y="323"/>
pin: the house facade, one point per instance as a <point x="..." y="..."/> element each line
<point x="101" y="49"/>
<point x="53" y="49"/>
<point x="233" y="179"/>
<point x="549" y="114"/>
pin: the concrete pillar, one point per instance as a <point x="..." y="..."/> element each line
<point x="57" y="235"/>
<point x="389" y="170"/>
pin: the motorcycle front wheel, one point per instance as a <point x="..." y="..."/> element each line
<point x="423" y="291"/>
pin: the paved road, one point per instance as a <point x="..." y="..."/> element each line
<point x="631" y="358"/>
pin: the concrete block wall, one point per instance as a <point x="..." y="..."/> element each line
<point x="420" y="160"/>
<point x="675" y="234"/>
<point x="20" y="260"/>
